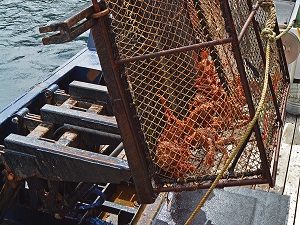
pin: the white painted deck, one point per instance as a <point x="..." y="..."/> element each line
<point x="288" y="173"/>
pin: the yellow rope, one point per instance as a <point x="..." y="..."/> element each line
<point x="270" y="35"/>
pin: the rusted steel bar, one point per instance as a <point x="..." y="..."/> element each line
<point x="222" y="184"/>
<point x="238" y="155"/>
<point x="100" y="14"/>
<point x="282" y="55"/>
<point x="92" y="92"/>
<point x="67" y="138"/>
<point x="117" y="150"/>
<point x="175" y="50"/>
<point x="275" y="101"/>
<point x="107" y="138"/>
<point x="257" y="33"/>
<point x="68" y="30"/>
<point x="277" y="151"/>
<point x="69" y="22"/>
<point x="40" y="131"/>
<point x="276" y="156"/>
<point x="60" y="115"/>
<point x="242" y="72"/>
<point x="286" y="95"/>
<point x="262" y="53"/>
<point x="206" y="178"/>
<point x="132" y="138"/>
<point x="248" y="21"/>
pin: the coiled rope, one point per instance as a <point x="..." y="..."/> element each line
<point x="268" y="34"/>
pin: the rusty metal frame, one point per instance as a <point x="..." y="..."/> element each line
<point x="264" y="161"/>
<point x="175" y="50"/>
<point x="55" y="161"/>
<point x="248" y="21"/>
<point x="121" y="105"/>
<point x="262" y="53"/>
<point x="267" y="176"/>
<point x="206" y="185"/>
<point x="280" y="118"/>
<point x="61" y="115"/>
<point x="71" y="27"/>
<point x="129" y="127"/>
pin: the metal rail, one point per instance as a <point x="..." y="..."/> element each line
<point x="47" y="148"/>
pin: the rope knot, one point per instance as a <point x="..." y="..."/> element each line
<point x="268" y="34"/>
<point x="266" y="4"/>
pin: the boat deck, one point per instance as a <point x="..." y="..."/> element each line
<point x="287" y="179"/>
<point x="288" y="172"/>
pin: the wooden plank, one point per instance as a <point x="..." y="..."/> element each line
<point x="297" y="217"/>
<point x="292" y="180"/>
<point x="262" y="187"/>
<point x="284" y="154"/>
<point x="149" y="213"/>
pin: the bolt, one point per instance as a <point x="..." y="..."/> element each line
<point x="57" y="216"/>
<point x="15" y="120"/>
<point x="47" y="94"/>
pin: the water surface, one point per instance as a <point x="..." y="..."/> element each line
<point x="24" y="60"/>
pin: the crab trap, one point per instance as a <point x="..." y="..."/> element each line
<point x="185" y="78"/>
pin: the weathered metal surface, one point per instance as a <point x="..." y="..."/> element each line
<point x="60" y="96"/>
<point x="62" y="74"/>
<point x="243" y="75"/>
<point x="125" y="213"/>
<point x="67" y="138"/>
<point x="70" y="201"/>
<point x="55" y="162"/>
<point x="40" y="131"/>
<point x="43" y="159"/>
<point x="8" y="194"/>
<point x="121" y="105"/>
<point x="221" y="184"/>
<point x="59" y="115"/>
<point x="176" y="50"/>
<point x="48" y="93"/>
<point x="31" y="121"/>
<point x="248" y="22"/>
<point x="89" y="91"/>
<point x="69" y="103"/>
<point x="71" y="27"/>
<point x="97" y="109"/>
<point x="93" y="92"/>
<point x="96" y="137"/>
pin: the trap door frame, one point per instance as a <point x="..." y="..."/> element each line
<point x="129" y="127"/>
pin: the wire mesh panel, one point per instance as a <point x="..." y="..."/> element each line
<point x="190" y="103"/>
<point x="254" y="65"/>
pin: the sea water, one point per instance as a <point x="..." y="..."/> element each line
<point x="24" y="60"/>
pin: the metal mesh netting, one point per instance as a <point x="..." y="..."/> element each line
<point x="254" y="65"/>
<point x="268" y="120"/>
<point x="191" y="105"/>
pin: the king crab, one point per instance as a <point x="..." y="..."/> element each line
<point x="203" y="124"/>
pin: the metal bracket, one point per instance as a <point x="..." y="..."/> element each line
<point x="72" y="27"/>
